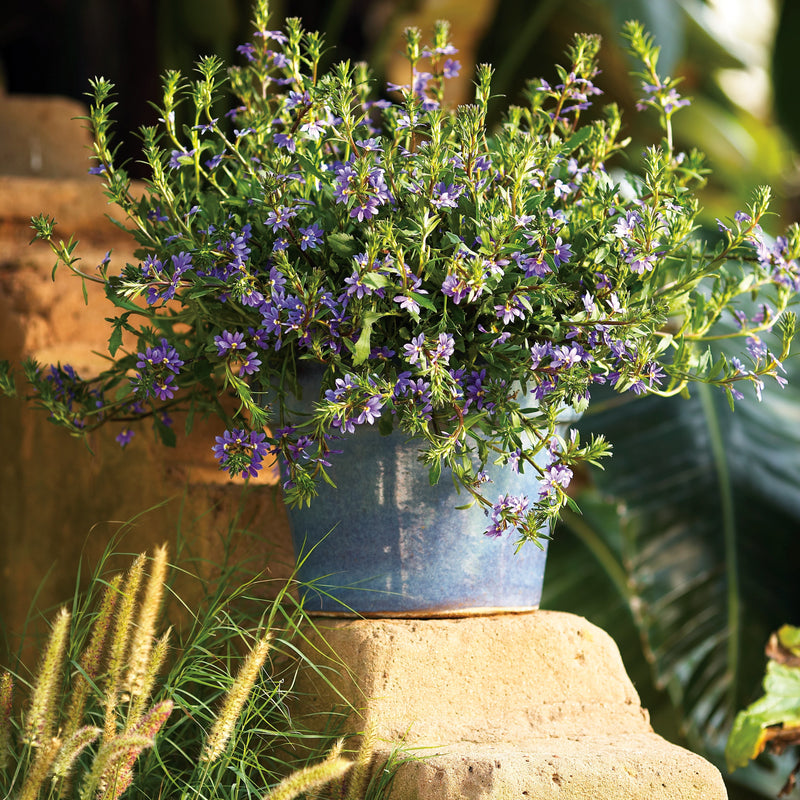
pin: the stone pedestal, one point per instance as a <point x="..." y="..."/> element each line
<point x="534" y="705"/>
<point x="62" y="501"/>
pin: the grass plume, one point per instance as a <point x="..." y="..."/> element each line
<point x="91" y="658"/>
<point x="306" y="779"/>
<point x="6" y="705"/>
<point x="37" y="774"/>
<point x="40" y="723"/>
<point x="119" y="642"/>
<point x="360" y="773"/>
<point x="144" y="632"/>
<point x="71" y="749"/>
<point x="83" y="735"/>
<point x="146" y="682"/>
<point x="234" y="701"/>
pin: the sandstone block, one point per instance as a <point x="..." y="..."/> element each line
<point x="510" y="706"/>
<point x="43" y="136"/>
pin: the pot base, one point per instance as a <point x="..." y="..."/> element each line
<point x="426" y="613"/>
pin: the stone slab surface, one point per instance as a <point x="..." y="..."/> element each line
<point x="534" y="705"/>
<point x="627" y="767"/>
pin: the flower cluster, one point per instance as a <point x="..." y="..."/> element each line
<point x="460" y="283"/>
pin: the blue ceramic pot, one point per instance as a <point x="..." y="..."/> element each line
<point x="387" y="543"/>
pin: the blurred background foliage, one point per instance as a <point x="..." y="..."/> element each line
<point x="687" y="550"/>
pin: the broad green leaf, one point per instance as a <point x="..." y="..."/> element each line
<point x="780" y="705"/>
<point x="343" y="244"/>
<point x="362" y="348"/>
<point x="789" y="637"/>
<point x="115" y="340"/>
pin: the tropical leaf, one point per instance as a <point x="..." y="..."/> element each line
<point x="775" y="717"/>
<point x="693" y="525"/>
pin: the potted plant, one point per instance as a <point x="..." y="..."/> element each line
<point x="363" y="272"/>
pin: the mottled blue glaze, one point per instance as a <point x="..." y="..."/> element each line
<point x="387" y="543"/>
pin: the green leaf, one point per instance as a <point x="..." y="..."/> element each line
<point x="435" y="472"/>
<point x="780" y="705"/>
<point x="376" y="280"/>
<point x="310" y="167"/>
<point x="452" y="239"/>
<point x="7" y="384"/>
<point x="343" y="244"/>
<point x="362" y="348"/>
<point x="789" y="637"/>
<point x="115" y="340"/>
<point x="423" y="300"/>
<point x="576" y="140"/>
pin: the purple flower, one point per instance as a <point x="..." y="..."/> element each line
<point x="418" y="391"/>
<point x="561" y="189"/>
<point x="415" y="351"/>
<point x="247" y="50"/>
<point x="625" y="228"/>
<point x="756" y="348"/>
<point x="371" y="145"/>
<point x="555" y="479"/>
<point x="165" y="356"/>
<point x="445" y="346"/>
<point x="228" y="342"/>
<point x="240" y="452"/>
<point x="285" y="141"/>
<point x="181" y="263"/>
<point x="158" y="367"/>
<point x="653" y="373"/>
<point x="370" y="410"/>
<point x="408" y="302"/>
<point x="248" y="364"/>
<point x="341" y="389"/>
<point x="367" y="209"/>
<point x="314" y="129"/>
<point x="510" y="310"/>
<point x="164" y="387"/>
<point x="451" y="68"/>
<point x="476" y="389"/>
<point x="613" y="304"/>
<point x="454" y="287"/>
<point x="310" y="237"/>
<point x="562" y="252"/>
<point x="446" y="196"/>
<point x="279" y="218"/>
<point x="640" y="262"/>
<point x="539" y="351"/>
<point x="508" y="512"/>
<point x="124" y="436"/>
<point x="563" y="356"/>
<point x="533" y="266"/>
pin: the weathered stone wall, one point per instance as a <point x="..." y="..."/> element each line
<point x="59" y="501"/>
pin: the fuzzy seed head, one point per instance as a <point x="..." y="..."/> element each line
<point x="40" y="719"/>
<point x="119" y="641"/>
<point x="234" y="701"/>
<point x="309" y="778"/>
<point x="72" y="748"/>
<point x="6" y="702"/>
<point x="143" y="633"/>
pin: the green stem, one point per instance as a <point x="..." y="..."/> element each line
<point x="729" y="537"/>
